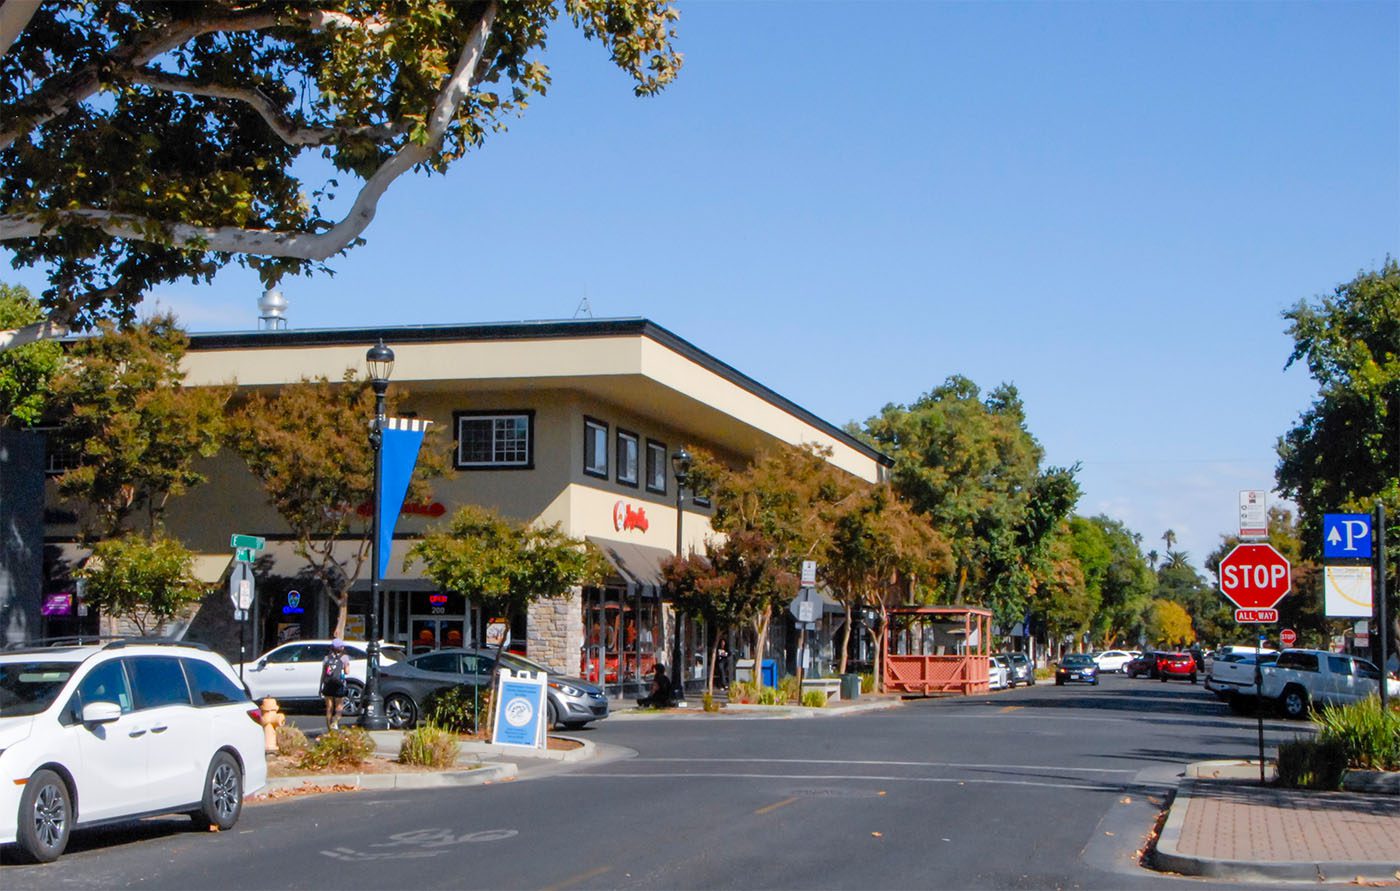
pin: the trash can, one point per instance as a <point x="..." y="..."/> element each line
<point x="770" y="672"/>
<point x="850" y="686"/>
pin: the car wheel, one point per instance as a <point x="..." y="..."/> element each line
<point x="401" y="711"/>
<point x="1294" y="703"/>
<point x="1059" y="682"/>
<point x="1193" y="677"/>
<point x="553" y="715"/>
<point x="354" y="704"/>
<point x="575" y="725"/>
<point x="1094" y="682"/>
<point x="223" y="794"/>
<point x="1164" y="679"/>
<point x="45" y="817"/>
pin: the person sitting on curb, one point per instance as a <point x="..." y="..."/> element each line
<point x="660" y="696"/>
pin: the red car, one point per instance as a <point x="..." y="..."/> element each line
<point x="1176" y="665"/>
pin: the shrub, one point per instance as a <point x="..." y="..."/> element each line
<point x="456" y="708"/>
<point x="789" y="690"/>
<point x="291" y="740"/>
<point x="708" y="703"/>
<point x="1369" y="735"/>
<point x="867" y="682"/>
<point x="741" y="691"/>
<point x="1311" y="764"/>
<point x="767" y="696"/>
<point x="339" y="748"/>
<point x="429" y="746"/>
<point x="814" y="699"/>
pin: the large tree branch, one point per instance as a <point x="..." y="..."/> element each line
<point x="314" y="246"/>
<point x="14" y="17"/>
<point x="287" y="129"/>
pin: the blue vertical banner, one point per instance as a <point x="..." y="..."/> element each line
<point x="398" y="454"/>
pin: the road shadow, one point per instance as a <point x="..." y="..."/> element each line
<point x="100" y="838"/>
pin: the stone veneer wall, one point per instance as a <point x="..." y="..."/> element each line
<point x="554" y="633"/>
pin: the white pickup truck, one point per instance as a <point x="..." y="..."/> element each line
<point x="1231" y="676"/>
<point x="1302" y="678"/>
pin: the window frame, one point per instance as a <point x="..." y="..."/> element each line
<point x="589" y="426"/>
<point x="628" y="436"/>
<point x="493" y="414"/>
<point x="665" y="477"/>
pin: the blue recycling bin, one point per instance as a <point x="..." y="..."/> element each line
<point x="770" y="672"/>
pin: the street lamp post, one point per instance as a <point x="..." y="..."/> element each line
<point x="680" y="469"/>
<point x="380" y="360"/>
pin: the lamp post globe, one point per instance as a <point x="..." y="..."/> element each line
<point x="380" y="362"/>
<point x="680" y="469"/>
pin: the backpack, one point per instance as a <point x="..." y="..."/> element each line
<point x="333" y="670"/>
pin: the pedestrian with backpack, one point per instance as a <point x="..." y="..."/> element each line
<point x="333" y="669"/>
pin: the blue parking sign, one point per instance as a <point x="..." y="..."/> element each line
<point x="1346" y="535"/>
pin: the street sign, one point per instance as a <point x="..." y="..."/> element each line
<point x="806" y="606"/>
<point x="1346" y="535"/>
<point x="240" y="585"/>
<point x="1256" y="616"/>
<point x="240" y="615"/>
<point x="809" y="573"/>
<point x="1255" y="577"/>
<point x="1254" y="513"/>
<point x="1288" y="637"/>
<point x="247" y="541"/>
<point x="244" y="555"/>
<point x="1346" y="592"/>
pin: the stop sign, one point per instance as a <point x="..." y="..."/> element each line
<point x="1254" y="576"/>
<point x="1287" y="637"/>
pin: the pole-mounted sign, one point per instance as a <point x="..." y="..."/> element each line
<point x="1255" y="577"/>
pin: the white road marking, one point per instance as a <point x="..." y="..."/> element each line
<point x="1039" y="767"/>
<point x="823" y="776"/>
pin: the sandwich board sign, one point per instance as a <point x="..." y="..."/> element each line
<point x="521" y="709"/>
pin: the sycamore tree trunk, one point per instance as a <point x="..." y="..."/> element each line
<point x="710" y="669"/>
<point x="846" y="637"/>
<point x="881" y="629"/>
<point x="760" y="628"/>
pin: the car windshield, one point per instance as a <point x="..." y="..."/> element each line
<point x="517" y="662"/>
<point x="27" y="688"/>
<point x="1078" y="659"/>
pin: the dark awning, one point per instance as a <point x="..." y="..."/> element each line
<point x="638" y="566"/>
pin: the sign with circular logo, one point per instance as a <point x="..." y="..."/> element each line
<point x="519" y="712"/>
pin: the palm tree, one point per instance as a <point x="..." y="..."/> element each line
<point x="1176" y="560"/>
<point x="1170" y="538"/>
<point x="1152" y="558"/>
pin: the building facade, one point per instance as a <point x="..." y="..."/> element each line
<point x="569" y="422"/>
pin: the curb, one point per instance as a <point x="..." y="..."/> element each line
<point x="1168" y="858"/>
<point x="758" y="712"/>
<point x="388" y="742"/>
<point x="486" y="773"/>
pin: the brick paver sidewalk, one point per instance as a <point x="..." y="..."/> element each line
<point x="1234" y="821"/>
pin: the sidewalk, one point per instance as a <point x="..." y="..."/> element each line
<point x="1224" y="824"/>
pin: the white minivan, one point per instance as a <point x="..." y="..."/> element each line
<point x="101" y="733"/>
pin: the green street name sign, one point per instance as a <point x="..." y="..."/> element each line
<point x="244" y="555"/>
<point x="246" y="541"/>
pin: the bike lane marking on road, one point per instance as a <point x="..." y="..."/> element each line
<point x="768" y="809"/>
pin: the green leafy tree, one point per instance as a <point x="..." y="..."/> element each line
<point x="1125" y="584"/>
<point x="25" y="371"/>
<point x="135" y="429"/>
<point x="1067" y="596"/>
<point x="1343" y="454"/>
<point x="146" y="581"/>
<point x="143" y="143"/>
<point x="736" y="578"/>
<point x="969" y="464"/>
<point x="308" y="444"/>
<point x="1170" y="624"/>
<point x="504" y="566"/>
<point x="1210" y="614"/>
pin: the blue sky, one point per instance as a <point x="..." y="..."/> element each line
<point x="1107" y="204"/>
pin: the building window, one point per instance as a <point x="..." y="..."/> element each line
<point x="595" y="448"/>
<point x="656" y="466"/>
<point x="495" y="439"/>
<point x="60" y="454"/>
<point x="627" y="457"/>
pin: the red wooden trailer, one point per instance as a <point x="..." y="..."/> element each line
<point x="937" y="649"/>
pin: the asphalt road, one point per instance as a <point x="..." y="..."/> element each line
<point x="1046" y="787"/>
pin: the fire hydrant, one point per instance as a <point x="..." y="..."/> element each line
<point x="271" y="719"/>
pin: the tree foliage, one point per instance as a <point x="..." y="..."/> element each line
<point x="969" y="464"/>
<point x="147" y="581"/>
<point x="308" y="444"/>
<point x="1343" y="454"/>
<point x="143" y="143"/>
<point x="25" y="371"/>
<point x="1169" y="624"/>
<point x="133" y="426"/>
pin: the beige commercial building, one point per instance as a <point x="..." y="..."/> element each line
<point x="571" y="422"/>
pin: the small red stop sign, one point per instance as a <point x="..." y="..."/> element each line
<point x="1287" y="637"/>
<point x="1255" y="576"/>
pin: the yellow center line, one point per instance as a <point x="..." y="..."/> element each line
<point x="581" y="877"/>
<point x="1011" y="708"/>
<point x="773" y="807"/>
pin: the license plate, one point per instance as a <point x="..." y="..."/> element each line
<point x="1074" y="675"/>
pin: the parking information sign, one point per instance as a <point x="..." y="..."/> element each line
<point x="521" y="709"/>
<point x="1346" y="536"/>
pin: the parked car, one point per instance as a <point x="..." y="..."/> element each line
<point x="1231" y="676"/>
<point x="1112" y="660"/>
<point x="1176" y="665"/>
<point x="998" y="673"/>
<point x="111" y="732"/>
<point x="1143" y="665"/>
<point x="1022" y="671"/>
<point x="291" y="672"/>
<point x="407" y="685"/>
<point x="1077" y="667"/>
<point x="1300" y="679"/>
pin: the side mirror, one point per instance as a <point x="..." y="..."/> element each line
<point x="101" y="712"/>
<point x="262" y="663"/>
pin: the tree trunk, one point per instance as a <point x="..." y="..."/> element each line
<point x="881" y="629"/>
<point x="342" y="603"/>
<point x="710" y="672"/>
<point x="760" y="640"/>
<point x="846" y="638"/>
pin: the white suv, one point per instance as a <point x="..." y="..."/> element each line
<point x="292" y="672"/>
<point x="101" y="733"/>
